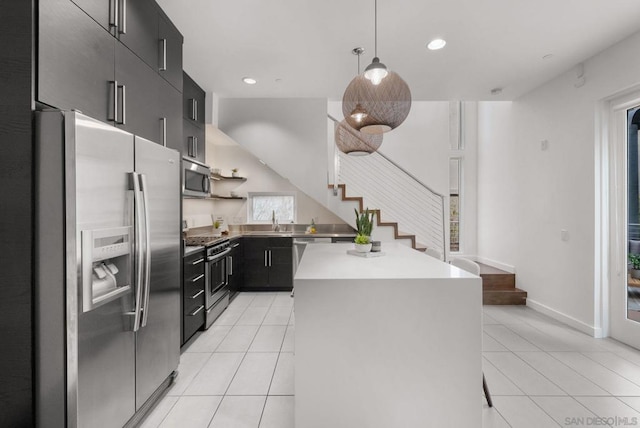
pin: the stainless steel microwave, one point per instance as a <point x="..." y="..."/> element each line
<point x="195" y="179"/>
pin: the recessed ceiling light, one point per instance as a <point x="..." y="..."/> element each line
<point x="249" y="80"/>
<point x="496" y="91"/>
<point x="436" y="44"/>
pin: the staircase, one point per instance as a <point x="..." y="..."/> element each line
<point x="499" y="287"/>
<point x="394" y="225"/>
<point x="412" y="204"/>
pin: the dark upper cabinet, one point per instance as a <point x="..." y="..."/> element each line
<point x="82" y="66"/>
<point x="170" y="115"/>
<point x="170" y="51"/>
<point x="137" y="97"/>
<point x="193" y="99"/>
<point x="193" y="141"/>
<point x="104" y="12"/>
<point x="143" y="27"/>
<point x="137" y="24"/>
<point x="138" y="29"/>
<point x="75" y="60"/>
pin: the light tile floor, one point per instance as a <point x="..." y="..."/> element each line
<point x="541" y="373"/>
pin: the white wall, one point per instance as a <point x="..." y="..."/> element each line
<point x="226" y="154"/>
<point x="498" y="195"/>
<point x="290" y="135"/>
<point x="526" y="195"/>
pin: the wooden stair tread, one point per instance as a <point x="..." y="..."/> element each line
<point x="496" y="279"/>
<point x="514" y="296"/>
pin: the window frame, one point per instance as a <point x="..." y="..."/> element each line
<point x="251" y="195"/>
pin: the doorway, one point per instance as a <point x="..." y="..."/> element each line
<point x="624" y="234"/>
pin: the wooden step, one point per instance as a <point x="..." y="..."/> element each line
<point x="514" y="296"/>
<point x="499" y="287"/>
<point x="496" y="279"/>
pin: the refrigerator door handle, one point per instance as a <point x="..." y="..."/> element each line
<point x="134" y="184"/>
<point x="147" y="250"/>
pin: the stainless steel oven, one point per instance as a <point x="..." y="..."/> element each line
<point x="216" y="296"/>
<point x="195" y="178"/>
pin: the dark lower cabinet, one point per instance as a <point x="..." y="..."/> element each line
<point x="268" y="264"/>
<point x="193" y="289"/>
<point x="235" y="266"/>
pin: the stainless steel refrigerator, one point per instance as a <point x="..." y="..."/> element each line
<point x="108" y="272"/>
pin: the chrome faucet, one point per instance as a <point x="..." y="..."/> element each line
<point x="274" y="222"/>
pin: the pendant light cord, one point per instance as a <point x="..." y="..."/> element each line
<point x="375" y="27"/>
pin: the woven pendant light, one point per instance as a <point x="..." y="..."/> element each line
<point x="356" y="143"/>
<point x="387" y="104"/>
<point x="378" y="100"/>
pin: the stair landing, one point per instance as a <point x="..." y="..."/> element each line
<point x="499" y="287"/>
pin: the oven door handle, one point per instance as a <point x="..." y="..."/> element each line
<point x="217" y="256"/>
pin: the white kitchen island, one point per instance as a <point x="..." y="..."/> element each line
<point x="386" y="342"/>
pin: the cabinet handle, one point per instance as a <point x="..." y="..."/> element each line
<point x="114" y="108"/>
<point x="270" y="258"/>
<point x="198" y="278"/>
<point x="230" y="263"/>
<point x="190" y="147"/>
<point x="123" y="102"/>
<point x="194" y="313"/>
<point x="163" y="54"/>
<point x="123" y="18"/>
<point x="113" y="13"/>
<point x="194" y="106"/>
<point x="195" y="296"/>
<point x="197" y="262"/>
<point x="163" y="129"/>
<point x="265" y="258"/>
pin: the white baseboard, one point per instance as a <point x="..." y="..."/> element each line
<point x="495" y="264"/>
<point x="566" y="319"/>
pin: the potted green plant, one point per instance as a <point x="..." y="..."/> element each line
<point x="634" y="269"/>
<point x="234" y="172"/>
<point x="364" y="226"/>
<point x="216" y="228"/>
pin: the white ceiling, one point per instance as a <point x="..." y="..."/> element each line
<point x="306" y="44"/>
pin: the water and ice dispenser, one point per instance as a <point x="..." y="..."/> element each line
<point x="106" y="265"/>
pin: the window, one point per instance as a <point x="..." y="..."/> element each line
<point x="455" y="178"/>
<point x="262" y="206"/>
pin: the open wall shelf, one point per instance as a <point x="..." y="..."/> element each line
<point x="219" y="177"/>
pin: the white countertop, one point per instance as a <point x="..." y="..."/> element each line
<point x="331" y="261"/>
